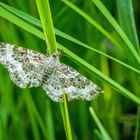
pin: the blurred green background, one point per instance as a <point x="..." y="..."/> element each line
<point x="27" y="114"/>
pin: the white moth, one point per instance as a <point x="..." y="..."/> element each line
<point x="29" y="68"/>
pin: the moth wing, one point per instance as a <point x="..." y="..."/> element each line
<point x="66" y="80"/>
<point x="25" y="66"/>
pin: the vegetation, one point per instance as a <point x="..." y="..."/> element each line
<point x="97" y="38"/>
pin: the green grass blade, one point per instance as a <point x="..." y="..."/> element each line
<point x="137" y="124"/>
<point x="116" y="26"/>
<point x="17" y="21"/>
<point x="64" y="118"/>
<point x="126" y="13"/>
<point x="68" y="127"/>
<point x="92" y="22"/>
<point x="21" y="14"/>
<point x="105" y="135"/>
<point x="47" y="23"/>
<point x="28" y="99"/>
<point x="37" y="23"/>
<point x="9" y="110"/>
<point x="98" y="134"/>
<point x="31" y="116"/>
<point x="49" y="121"/>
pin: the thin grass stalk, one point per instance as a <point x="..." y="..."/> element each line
<point x="105" y="69"/>
<point x="46" y="20"/>
<point x="125" y="14"/>
<point x="137" y="124"/>
<point x="68" y="127"/>
<point x="31" y="116"/>
<point x="64" y="118"/>
<point x="118" y="29"/>
<point x="104" y="133"/>
<point x="36" y="114"/>
<point x="92" y="22"/>
<point x="47" y="23"/>
<point x="49" y="121"/>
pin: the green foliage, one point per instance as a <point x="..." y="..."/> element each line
<point x="29" y="114"/>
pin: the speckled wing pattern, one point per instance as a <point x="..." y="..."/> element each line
<point x="29" y="68"/>
<point x="26" y="67"/>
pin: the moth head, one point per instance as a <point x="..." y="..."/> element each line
<point x="53" y="60"/>
<point x="56" y="55"/>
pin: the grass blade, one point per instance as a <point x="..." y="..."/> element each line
<point x="126" y="13"/>
<point x="64" y="118"/>
<point x="31" y="116"/>
<point x="68" y="127"/>
<point x="47" y="23"/>
<point x="92" y="21"/>
<point x="49" y="121"/>
<point x="137" y="124"/>
<point x="30" y="103"/>
<point x="118" y="29"/>
<point x="105" y="135"/>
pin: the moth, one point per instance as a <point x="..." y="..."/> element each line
<point x="30" y="68"/>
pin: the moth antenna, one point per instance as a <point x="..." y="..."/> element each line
<point x="66" y="55"/>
